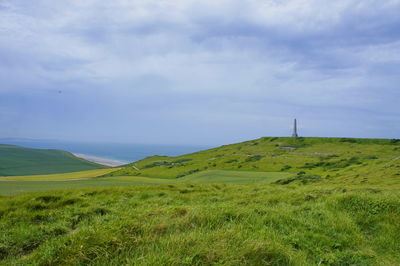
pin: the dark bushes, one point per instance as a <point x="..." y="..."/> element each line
<point x="395" y="141"/>
<point x="334" y="164"/>
<point x="371" y="157"/>
<point x="254" y="158"/>
<point x="155" y="164"/>
<point x="188" y="173"/>
<point x="182" y="160"/>
<point x="47" y="199"/>
<point x="301" y="177"/>
<point x="348" y="140"/>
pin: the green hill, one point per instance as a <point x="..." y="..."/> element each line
<point x="15" y="160"/>
<point x="309" y="159"/>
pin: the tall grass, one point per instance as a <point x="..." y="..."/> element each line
<point x="191" y="224"/>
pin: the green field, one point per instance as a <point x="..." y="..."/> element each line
<point x="270" y="201"/>
<point x="226" y="177"/>
<point x="17" y="161"/>
<point x="198" y="224"/>
<point x="24" y="184"/>
<point x="19" y="187"/>
<point x="60" y="177"/>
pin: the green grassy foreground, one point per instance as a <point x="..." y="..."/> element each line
<point x="197" y="224"/>
<point x="17" y="161"/>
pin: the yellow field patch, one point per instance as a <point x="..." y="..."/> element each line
<point x="65" y="176"/>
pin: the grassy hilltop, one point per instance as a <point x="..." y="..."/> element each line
<point x="15" y="160"/>
<point x="270" y="201"/>
<point x="310" y="159"/>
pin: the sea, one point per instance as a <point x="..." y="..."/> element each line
<point x="107" y="152"/>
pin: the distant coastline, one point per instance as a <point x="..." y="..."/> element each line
<point x="120" y="152"/>
<point x="100" y="160"/>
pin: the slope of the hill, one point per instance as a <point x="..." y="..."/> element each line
<point x="16" y="160"/>
<point x="197" y="224"/>
<point x="310" y="159"/>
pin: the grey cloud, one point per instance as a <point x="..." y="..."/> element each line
<point x="239" y="69"/>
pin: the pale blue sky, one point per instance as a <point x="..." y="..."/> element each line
<point x="198" y="72"/>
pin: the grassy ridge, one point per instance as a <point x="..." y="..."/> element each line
<point x="191" y="224"/>
<point x="17" y="161"/>
<point x="357" y="160"/>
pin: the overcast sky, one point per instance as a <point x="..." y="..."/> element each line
<point x="198" y="72"/>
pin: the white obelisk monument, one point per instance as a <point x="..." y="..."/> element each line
<point x="294" y="134"/>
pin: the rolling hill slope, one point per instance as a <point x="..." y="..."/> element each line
<point x="15" y="160"/>
<point x="310" y="159"/>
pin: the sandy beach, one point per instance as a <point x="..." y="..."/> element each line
<point x="99" y="160"/>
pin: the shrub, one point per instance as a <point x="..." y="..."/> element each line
<point x="303" y="179"/>
<point x="254" y="158"/>
<point x="188" y="173"/>
<point x="333" y="165"/>
<point x="155" y="164"/>
<point x="182" y="160"/>
<point x="327" y="157"/>
<point x="348" y="140"/>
